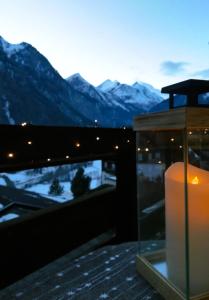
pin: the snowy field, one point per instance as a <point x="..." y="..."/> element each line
<point x="8" y="217"/>
<point x="42" y="190"/>
<point x="40" y="180"/>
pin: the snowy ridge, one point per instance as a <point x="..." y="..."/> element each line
<point x="139" y="84"/>
<point x="114" y="104"/>
<point x="140" y="94"/>
<point x="83" y="86"/>
<point x="108" y="85"/>
<point x="11" y="49"/>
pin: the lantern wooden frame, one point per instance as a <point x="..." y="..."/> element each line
<point x="184" y="119"/>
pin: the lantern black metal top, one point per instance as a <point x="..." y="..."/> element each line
<point x="191" y="88"/>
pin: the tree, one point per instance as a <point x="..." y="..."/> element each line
<point x="55" y="188"/>
<point x="80" y="183"/>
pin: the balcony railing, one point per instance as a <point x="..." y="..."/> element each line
<point x="104" y="215"/>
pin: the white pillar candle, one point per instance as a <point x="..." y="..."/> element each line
<point x="198" y="216"/>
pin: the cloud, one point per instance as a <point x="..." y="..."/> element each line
<point x="173" y="68"/>
<point x="202" y="73"/>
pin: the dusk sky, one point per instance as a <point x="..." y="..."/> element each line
<point x="155" y="41"/>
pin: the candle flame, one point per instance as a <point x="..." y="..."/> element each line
<point x="195" y="180"/>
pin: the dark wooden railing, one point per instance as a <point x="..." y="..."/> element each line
<point x="29" y="242"/>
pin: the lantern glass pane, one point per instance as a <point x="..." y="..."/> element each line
<point x="198" y="210"/>
<point x="179" y="100"/>
<point x="203" y="99"/>
<point x="161" y="203"/>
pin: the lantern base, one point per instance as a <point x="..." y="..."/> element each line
<point x="154" y="269"/>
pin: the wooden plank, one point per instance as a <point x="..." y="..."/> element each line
<point x="197" y="117"/>
<point x="176" y="119"/>
<point x="172" y="119"/>
<point x="88" y="277"/>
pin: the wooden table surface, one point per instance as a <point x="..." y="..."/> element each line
<point x="107" y="273"/>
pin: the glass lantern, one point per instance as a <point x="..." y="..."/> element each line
<point x="173" y="193"/>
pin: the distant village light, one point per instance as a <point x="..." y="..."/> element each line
<point x="10" y="155"/>
<point x="77" y="145"/>
<point x="116" y="147"/>
<point x="23" y="124"/>
<point x="29" y="142"/>
<point x="67" y="156"/>
<point x="96" y="123"/>
<point x="97" y="138"/>
<point x="48" y="159"/>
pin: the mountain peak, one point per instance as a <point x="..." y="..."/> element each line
<point x="82" y="85"/>
<point x="11" y="49"/>
<point x="76" y="77"/>
<point x="108" y="85"/>
<point x="141" y="83"/>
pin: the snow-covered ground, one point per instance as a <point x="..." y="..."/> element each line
<point x="20" y="178"/>
<point x="8" y="217"/>
<point x="43" y="189"/>
<point x="33" y="181"/>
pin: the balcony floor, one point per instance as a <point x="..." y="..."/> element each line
<point x="107" y="273"/>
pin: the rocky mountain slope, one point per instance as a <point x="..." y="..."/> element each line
<point x="31" y="90"/>
<point x="115" y="103"/>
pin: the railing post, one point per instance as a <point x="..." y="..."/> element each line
<point x="126" y="201"/>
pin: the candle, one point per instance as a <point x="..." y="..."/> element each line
<point x="198" y="216"/>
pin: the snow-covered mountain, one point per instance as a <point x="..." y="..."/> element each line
<point x="139" y="95"/>
<point x="96" y="105"/>
<point x="83" y="86"/>
<point x="108" y="85"/>
<point x="115" y="103"/>
<point x="31" y="90"/>
<point x="11" y="49"/>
